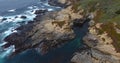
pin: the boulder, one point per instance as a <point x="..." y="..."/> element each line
<point x="2" y="19"/>
<point x="23" y="17"/>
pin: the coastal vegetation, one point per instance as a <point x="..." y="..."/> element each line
<point x="107" y="13"/>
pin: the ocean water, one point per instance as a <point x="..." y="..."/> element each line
<point x="11" y="9"/>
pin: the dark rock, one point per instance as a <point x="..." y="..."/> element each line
<point x="41" y="11"/>
<point x="16" y="16"/>
<point x="30" y="22"/>
<point x="4" y="19"/>
<point x="78" y="22"/>
<point x="60" y="3"/>
<point x="23" y="17"/>
<point x="25" y="27"/>
<point x="37" y="18"/>
<point x="9" y="18"/>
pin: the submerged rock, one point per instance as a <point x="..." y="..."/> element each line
<point x="4" y="19"/>
<point x="23" y="17"/>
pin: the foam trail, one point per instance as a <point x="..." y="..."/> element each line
<point x="1" y="18"/>
<point x="11" y="10"/>
<point x="7" y="51"/>
<point x="1" y="44"/>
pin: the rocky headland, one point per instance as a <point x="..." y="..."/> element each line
<point x="53" y="29"/>
<point x="47" y="31"/>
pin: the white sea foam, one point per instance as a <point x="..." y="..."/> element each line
<point x="50" y="9"/>
<point x="30" y="7"/>
<point x="7" y="51"/>
<point x="8" y="32"/>
<point x="3" y="43"/>
<point x="1" y="18"/>
<point x="29" y="14"/>
<point x="12" y="10"/>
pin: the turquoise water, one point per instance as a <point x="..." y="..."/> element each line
<point x="25" y="7"/>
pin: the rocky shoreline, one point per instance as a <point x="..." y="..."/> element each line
<point x="49" y="30"/>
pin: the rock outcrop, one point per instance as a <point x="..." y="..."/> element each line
<point x="46" y="32"/>
<point x="93" y="56"/>
<point x="61" y="3"/>
<point x="100" y="48"/>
